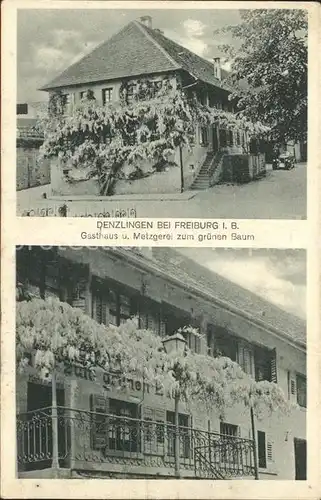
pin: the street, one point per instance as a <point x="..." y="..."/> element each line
<point x="279" y="195"/>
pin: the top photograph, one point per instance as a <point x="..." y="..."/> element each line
<point x="162" y="113"/>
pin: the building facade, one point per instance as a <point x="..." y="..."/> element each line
<point x="139" y="55"/>
<point x="112" y="429"/>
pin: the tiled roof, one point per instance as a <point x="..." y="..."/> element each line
<point x="135" y="50"/>
<point x="192" y="274"/>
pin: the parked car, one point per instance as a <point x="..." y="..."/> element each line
<point x="284" y="161"/>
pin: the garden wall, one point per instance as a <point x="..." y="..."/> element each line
<point x="31" y="171"/>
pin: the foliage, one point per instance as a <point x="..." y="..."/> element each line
<point x="99" y="140"/>
<point x="54" y="332"/>
<point x="272" y="58"/>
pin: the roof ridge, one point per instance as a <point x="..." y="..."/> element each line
<point x="263" y="300"/>
<point x="141" y="27"/>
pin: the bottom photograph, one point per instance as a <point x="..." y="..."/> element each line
<point x="161" y="363"/>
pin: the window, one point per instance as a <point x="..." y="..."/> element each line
<point x="22" y="109"/>
<point x="229" y="452"/>
<point x="130" y="92"/>
<point x="257" y="361"/>
<point x="110" y="307"/>
<point x="82" y="94"/>
<point x="110" y="427"/>
<point x="301" y="390"/>
<point x="107" y="95"/>
<point x="149" y="318"/>
<point x="154" y="430"/>
<point x="229" y="429"/>
<point x="225" y="344"/>
<point x="193" y="341"/>
<point x="183" y="421"/>
<point x="265" y="364"/>
<point x="261" y="446"/>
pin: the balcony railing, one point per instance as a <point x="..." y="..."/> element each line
<point x="86" y="437"/>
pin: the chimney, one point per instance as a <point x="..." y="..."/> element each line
<point x="146" y="21"/>
<point x="217" y="68"/>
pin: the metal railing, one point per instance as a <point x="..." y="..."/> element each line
<point x="85" y="436"/>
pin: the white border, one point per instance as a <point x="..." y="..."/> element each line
<point x="302" y="234"/>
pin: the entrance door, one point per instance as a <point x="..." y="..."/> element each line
<point x="215" y="139"/>
<point x="300" y="453"/>
<point x="38" y="432"/>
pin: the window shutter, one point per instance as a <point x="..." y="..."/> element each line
<point x="143" y="320"/>
<point x="78" y="298"/>
<point x="292" y="387"/>
<point x="99" y="427"/>
<point x="269" y="451"/>
<point x="162" y="328"/>
<point x="273" y="367"/>
<point x="100" y="308"/>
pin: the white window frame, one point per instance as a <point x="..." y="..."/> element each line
<point x="107" y="91"/>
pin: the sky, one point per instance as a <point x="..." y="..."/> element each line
<point x="49" y="40"/>
<point x="278" y="276"/>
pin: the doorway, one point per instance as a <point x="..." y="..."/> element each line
<point x="215" y="139"/>
<point x="37" y="437"/>
<point x="300" y="454"/>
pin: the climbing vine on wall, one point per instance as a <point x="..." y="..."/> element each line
<point x="149" y="122"/>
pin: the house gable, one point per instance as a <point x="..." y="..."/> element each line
<point x="128" y="53"/>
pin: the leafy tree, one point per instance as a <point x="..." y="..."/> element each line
<point x="98" y="141"/>
<point x="270" y="55"/>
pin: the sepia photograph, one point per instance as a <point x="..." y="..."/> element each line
<point x="161" y="363"/>
<point x="162" y="112"/>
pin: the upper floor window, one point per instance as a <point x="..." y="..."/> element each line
<point x="107" y="95"/>
<point x="229" y="429"/>
<point x="110" y="307"/>
<point x="257" y="361"/>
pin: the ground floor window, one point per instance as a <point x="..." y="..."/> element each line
<point x="229" y="452"/>
<point x="115" y="426"/>
<point x="184" y="433"/>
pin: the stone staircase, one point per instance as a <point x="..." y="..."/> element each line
<point x="202" y="180"/>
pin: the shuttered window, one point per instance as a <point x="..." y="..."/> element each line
<point x="117" y="434"/>
<point x="225" y="345"/>
<point x="265" y="364"/>
<point x="110" y="307"/>
<point x="257" y="361"/>
<point x="246" y="358"/>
